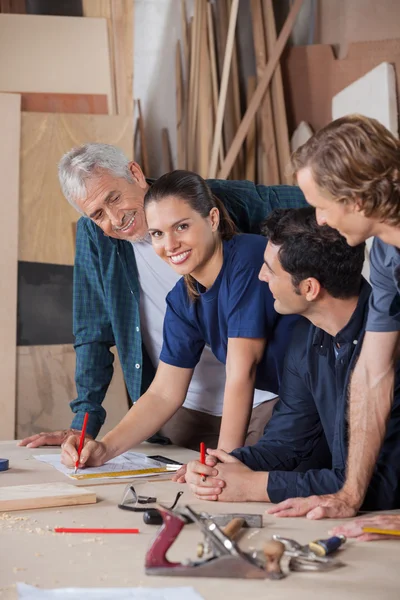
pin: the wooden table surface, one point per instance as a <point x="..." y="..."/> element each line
<point x="31" y="552"/>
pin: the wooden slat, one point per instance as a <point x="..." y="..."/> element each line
<point x="10" y="128"/>
<point x="205" y="111"/>
<point x="180" y="130"/>
<point x="251" y="136"/>
<point x="278" y="98"/>
<point x="143" y="143"/>
<point x="260" y="90"/>
<point x="46" y="386"/>
<point x="72" y="54"/>
<point x="45" y="215"/>
<point x="167" y="163"/>
<point x="194" y="84"/>
<point x="92" y="104"/>
<point x="214" y="73"/>
<point x="43" y="495"/>
<point x="122" y="28"/>
<point x="223" y="89"/>
<point x="268" y="160"/>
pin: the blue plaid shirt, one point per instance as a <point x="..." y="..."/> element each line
<point x="106" y="298"/>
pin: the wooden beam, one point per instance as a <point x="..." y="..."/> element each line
<point x="260" y="90"/>
<point x="205" y="111"/>
<point x="278" y="98"/>
<point x="193" y="84"/>
<point x="214" y="73"/>
<point x="223" y="90"/>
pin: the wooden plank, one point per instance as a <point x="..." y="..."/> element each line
<point x="237" y="112"/>
<point x="10" y="128"/>
<point x="166" y="151"/>
<point x="268" y="172"/>
<point x="79" y="45"/>
<point x="45" y="215"/>
<point x="93" y="104"/>
<point x="46" y="386"/>
<point x="278" y="98"/>
<point x="122" y="28"/>
<point x="260" y="90"/>
<point x="223" y="89"/>
<point x="194" y="84"/>
<point x="180" y="126"/>
<point x="214" y="74"/>
<point x="251" y="136"/>
<point x="143" y="144"/>
<point x="205" y="112"/>
<point x="43" y="495"/>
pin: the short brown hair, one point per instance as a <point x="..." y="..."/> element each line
<point x="355" y="157"/>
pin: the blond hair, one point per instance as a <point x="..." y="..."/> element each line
<point x="355" y="157"/>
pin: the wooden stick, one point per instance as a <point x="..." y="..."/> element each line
<point x="251" y="136"/>
<point x="204" y="121"/>
<point x="179" y="108"/>
<point x="185" y="40"/>
<point x="260" y="90"/>
<point x="143" y="146"/>
<point x="224" y="86"/>
<point x="237" y="113"/>
<point x="194" y="83"/>
<point x="214" y="75"/>
<point x="166" y="151"/>
<point x="278" y="99"/>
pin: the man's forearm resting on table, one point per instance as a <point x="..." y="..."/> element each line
<point x="371" y="397"/>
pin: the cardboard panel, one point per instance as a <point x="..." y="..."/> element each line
<point x="10" y="126"/>
<point x="312" y="76"/>
<point x="91" y="104"/>
<point x="55" y="54"/>
<point x="45" y="233"/>
<point x="46" y="386"/>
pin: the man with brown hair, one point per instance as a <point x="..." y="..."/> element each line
<point x="350" y="172"/>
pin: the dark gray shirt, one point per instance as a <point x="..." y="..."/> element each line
<point x="384" y="310"/>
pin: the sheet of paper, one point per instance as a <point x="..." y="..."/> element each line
<point x="129" y="461"/>
<point x="28" y="592"/>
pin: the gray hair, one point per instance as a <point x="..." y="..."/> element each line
<point x="85" y="161"/>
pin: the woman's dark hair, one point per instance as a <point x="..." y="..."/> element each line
<point x="310" y="250"/>
<point x="192" y="189"/>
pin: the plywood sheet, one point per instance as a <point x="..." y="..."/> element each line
<point x="45" y="233"/>
<point x="10" y="126"/>
<point x="43" y="495"/>
<point x="312" y="76"/>
<point x="373" y="95"/>
<point x="91" y="104"/>
<point x="55" y="54"/>
<point x="46" y="386"/>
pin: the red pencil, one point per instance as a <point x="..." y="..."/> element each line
<point x="203" y="457"/>
<point x="82" y="440"/>
<point x="93" y="530"/>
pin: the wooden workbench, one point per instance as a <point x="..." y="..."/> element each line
<point x="32" y="553"/>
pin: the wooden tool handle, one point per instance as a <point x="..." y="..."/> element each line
<point x="273" y="550"/>
<point x="233" y="527"/>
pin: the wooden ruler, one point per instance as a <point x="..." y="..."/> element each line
<point x="123" y="473"/>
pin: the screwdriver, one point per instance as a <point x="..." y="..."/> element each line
<point x="325" y="547"/>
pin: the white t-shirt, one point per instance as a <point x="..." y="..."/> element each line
<point x="156" y="280"/>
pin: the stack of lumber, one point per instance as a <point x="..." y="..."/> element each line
<point x="224" y="130"/>
<point x="64" y="81"/>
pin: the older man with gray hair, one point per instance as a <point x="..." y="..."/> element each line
<point x="120" y="285"/>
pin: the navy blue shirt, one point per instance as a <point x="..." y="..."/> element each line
<point x="313" y="403"/>
<point x="238" y="305"/>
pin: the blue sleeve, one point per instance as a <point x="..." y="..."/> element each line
<point x="292" y="437"/>
<point x="384" y="307"/>
<point x="93" y="334"/>
<point x="251" y="312"/>
<point x="182" y="341"/>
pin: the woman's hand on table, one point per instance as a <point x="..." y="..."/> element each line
<point x="94" y="454"/>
